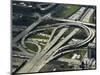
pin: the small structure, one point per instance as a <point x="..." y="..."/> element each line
<point x="92" y="50"/>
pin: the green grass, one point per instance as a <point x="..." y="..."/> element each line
<point x="92" y="20"/>
<point x="80" y="34"/>
<point x="48" y="31"/>
<point x="67" y="10"/>
<point x="79" y="52"/>
<point x="68" y="31"/>
<point x="42" y="46"/>
<point x="39" y="36"/>
<point x="32" y="47"/>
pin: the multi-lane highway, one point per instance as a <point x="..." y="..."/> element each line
<point x="42" y="58"/>
<point x="54" y="43"/>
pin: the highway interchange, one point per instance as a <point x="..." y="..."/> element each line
<point x="57" y="44"/>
